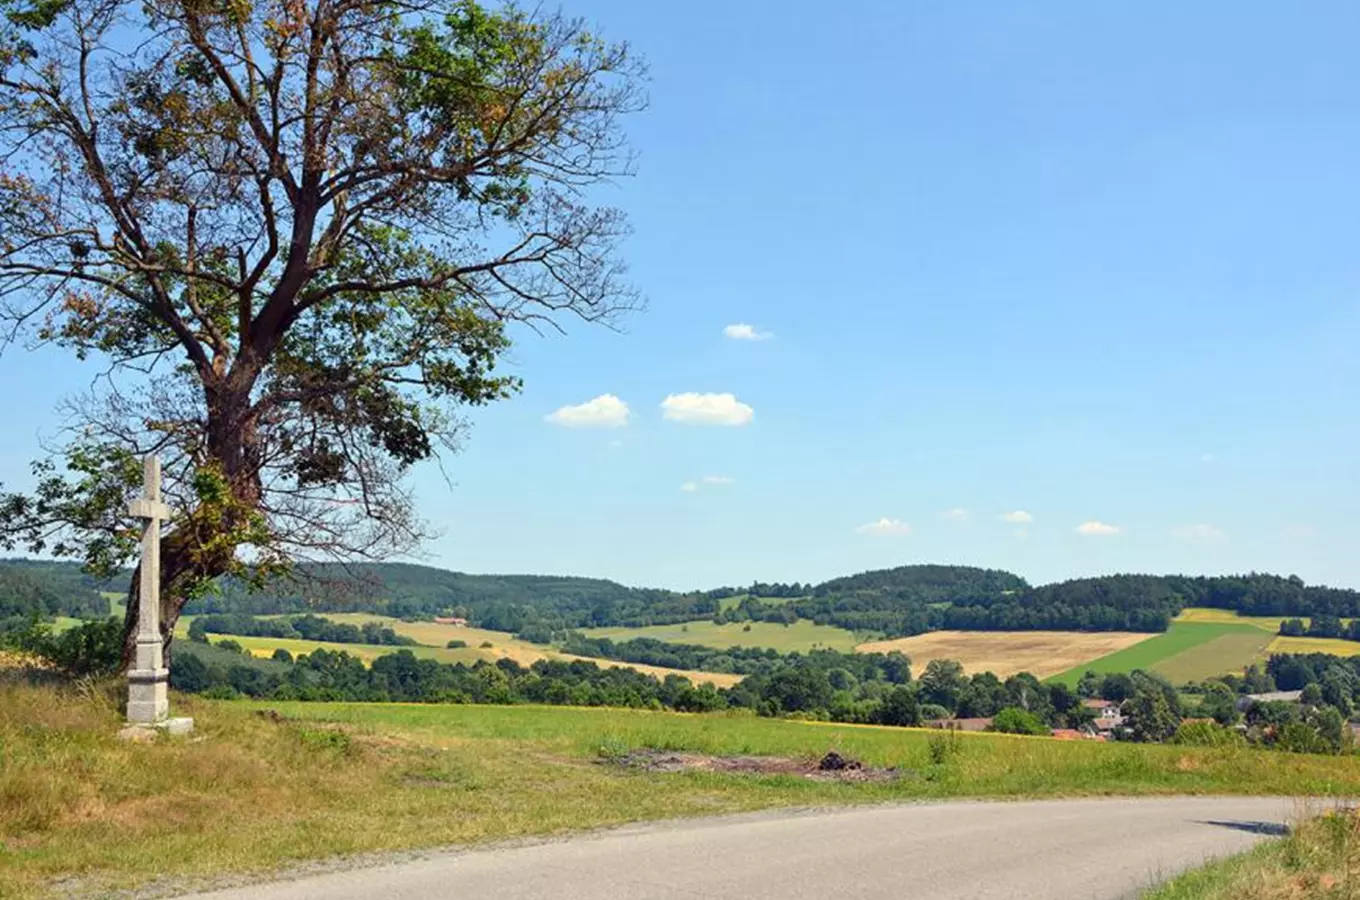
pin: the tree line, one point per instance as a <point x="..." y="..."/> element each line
<point x="306" y="627"/>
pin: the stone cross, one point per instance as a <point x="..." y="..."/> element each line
<point x="148" y="679"/>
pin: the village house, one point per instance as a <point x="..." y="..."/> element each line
<point x="1244" y="702"/>
<point x="450" y="620"/>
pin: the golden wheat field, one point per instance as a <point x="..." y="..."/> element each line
<point x="1004" y="653"/>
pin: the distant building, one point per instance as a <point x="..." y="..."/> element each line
<point x="1103" y="709"/>
<point x="450" y="620"/>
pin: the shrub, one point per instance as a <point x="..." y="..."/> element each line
<point x="91" y="648"/>
<point x="456" y="644"/>
<point x="1014" y="720"/>
<point x="487" y="645"/>
<point x="229" y="644"/>
<point x="282" y="655"/>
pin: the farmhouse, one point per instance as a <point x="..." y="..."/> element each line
<point x="1102" y="709"/>
<point x="450" y="620"/>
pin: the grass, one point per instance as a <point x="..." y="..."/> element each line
<point x="1319" y="858"/>
<point x="801" y="636"/>
<point x="1005" y="653"/>
<point x="1230" y="652"/>
<point x="251" y="793"/>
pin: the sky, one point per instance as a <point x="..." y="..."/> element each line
<point x="1062" y="288"/>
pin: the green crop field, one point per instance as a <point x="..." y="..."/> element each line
<point x="801" y="636"/>
<point x="1187" y="651"/>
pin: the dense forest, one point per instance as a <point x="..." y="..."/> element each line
<point x="306" y="627"/>
<point x="32" y="589"/>
<point x="893" y="602"/>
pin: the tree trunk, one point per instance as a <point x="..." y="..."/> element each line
<point x="185" y="564"/>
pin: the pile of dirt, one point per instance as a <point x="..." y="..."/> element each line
<point x="831" y="767"/>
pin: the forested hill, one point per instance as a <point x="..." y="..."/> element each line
<point x="899" y="601"/>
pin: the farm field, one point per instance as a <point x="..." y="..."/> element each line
<point x="801" y="636"/>
<point x="1182" y="649"/>
<point x="1004" y="653"/>
<point x="1334" y="646"/>
<point x="253" y="793"/>
<point x="433" y="645"/>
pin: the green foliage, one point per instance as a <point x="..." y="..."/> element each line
<point x="90" y="649"/>
<point x="1150" y="716"/>
<point x="944" y="747"/>
<point x="456" y="644"/>
<point x="1014" y="720"/>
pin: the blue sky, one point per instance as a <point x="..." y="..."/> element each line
<point x="1095" y="263"/>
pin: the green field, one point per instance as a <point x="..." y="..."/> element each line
<point x="1187" y="651"/>
<point x="801" y="636"/>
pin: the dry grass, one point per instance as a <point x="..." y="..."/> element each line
<point x="1320" y="858"/>
<point x="1042" y="653"/>
<point x="82" y="813"/>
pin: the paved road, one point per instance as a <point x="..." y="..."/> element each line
<point x="1075" y="850"/>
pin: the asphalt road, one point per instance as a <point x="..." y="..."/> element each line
<point x="1072" y="849"/>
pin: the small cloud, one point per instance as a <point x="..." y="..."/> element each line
<point x="955" y="515"/>
<point x="1200" y="532"/>
<point x="1098" y="529"/>
<point x="1019" y="517"/>
<point x="1299" y="532"/>
<point x="885" y="528"/>
<point x="689" y="487"/>
<point x="605" y="411"/>
<point x="706" y="409"/>
<point x="718" y="479"/>
<point x="746" y="333"/>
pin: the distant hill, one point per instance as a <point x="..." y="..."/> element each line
<point x="900" y="601"/>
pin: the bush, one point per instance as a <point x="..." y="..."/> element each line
<point x="1014" y="720"/>
<point x="91" y="648"/>
<point x="487" y="645"/>
<point x="229" y="644"/>
<point x="281" y="655"/>
<point x="456" y="644"/>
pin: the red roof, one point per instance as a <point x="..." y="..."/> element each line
<point x="1097" y="703"/>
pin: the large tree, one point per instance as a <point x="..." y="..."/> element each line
<point x="291" y="234"/>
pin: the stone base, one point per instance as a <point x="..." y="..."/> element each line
<point x="140" y="733"/>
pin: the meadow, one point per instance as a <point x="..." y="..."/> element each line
<point x="1004" y="653"/>
<point x="265" y="785"/>
<point x="801" y="636"/>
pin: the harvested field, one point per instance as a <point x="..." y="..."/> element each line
<point x="1041" y="653"/>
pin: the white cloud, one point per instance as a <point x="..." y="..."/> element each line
<point x="1199" y="532"/>
<point x="706" y="409"/>
<point x="718" y="479"/>
<point x="885" y="528"/>
<point x="605" y="411"/>
<point x="689" y="487"/>
<point x="955" y="515"/>
<point x="746" y="333"/>
<point x="1098" y="529"/>
<point x="1019" y="517"/>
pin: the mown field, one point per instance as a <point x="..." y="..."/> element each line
<point x="1193" y="650"/>
<point x="86" y="813"/>
<point x="801" y="636"/>
<point x="1004" y="653"/>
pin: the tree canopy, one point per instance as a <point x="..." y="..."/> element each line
<point x="292" y="235"/>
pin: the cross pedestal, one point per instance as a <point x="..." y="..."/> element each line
<point x="148" y="705"/>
